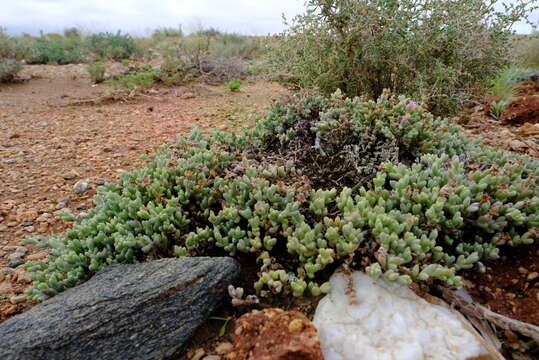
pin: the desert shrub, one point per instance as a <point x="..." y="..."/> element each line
<point x="9" y="69"/>
<point x="526" y="50"/>
<point x="12" y="47"/>
<point x="97" y="72"/>
<point x="167" y="32"/>
<point x="138" y="80"/>
<point x="228" y="46"/>
<point x="233" y="85"/>
<point x="443" y="52"/>
<point x="176" y="71"/>
<point x="113" y="46"/>
<point x="422" y="220"/>
<point x="55" y="50"/>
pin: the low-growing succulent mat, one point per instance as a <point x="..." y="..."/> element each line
<point x="55" y="132"/>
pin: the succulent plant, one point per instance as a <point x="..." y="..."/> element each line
<point x="444" y="204"/>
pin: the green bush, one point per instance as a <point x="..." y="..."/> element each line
<point x="56" y="50"/>
<point x="96" y="72"/>
<point x="442" y="52"/>
<point x="113" y="46"/>
<point x="233" y="85"/>
<point x="422" y="220"/>
<point x="139" y="80"/>
<point x="12" y="47"/>
<point x="9" y="69"/>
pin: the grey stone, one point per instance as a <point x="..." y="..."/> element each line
<point x="21" y="250"/>
<point x="81" y="186"/>
<point x="15" y="260"/>
<point x="141" y="311"/>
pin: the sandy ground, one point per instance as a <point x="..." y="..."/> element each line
<point x="57" y="129"/>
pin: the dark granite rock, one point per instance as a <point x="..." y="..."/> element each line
<point x="142" y="311"/>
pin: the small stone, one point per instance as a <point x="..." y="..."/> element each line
<point x="70" y="175"/>
<point x="43" y="217"/>
<point x="10" y="310"/>
<point x="22" y="276"/>
<point x="2" y="276"/>
<point x="12" y="224"/>
<point x="2" y="254"/>
<point x="100" y="181"/>
<point x="37" y="256"/>
<point x="15" y="263"/>
<point x="187" y="95"/>
<point x="211" y="357"/>
<point x="10" y="161"/>
<point x="532" y="276"/>
<point x="60" y="205"/>
<point x="518" y="145"/>
<point x="523" y="270"/>
<point x="21" y="250"/>
<point x="224" y="348"/>
<point x="81" y="186"/>
<point x="275" y="334"/>
<point x="29" y="229"/>
<point x="198" y="354"/>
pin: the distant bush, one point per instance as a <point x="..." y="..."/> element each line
<point x="526" y="50"/>
<point x="96" y="72"/>
<point x="176" y="71"/>
<point x="233" y="85"/>
<point x="443" y="52"/>
<point x="113" y="46"/>
<point x="167" y="32"/>
<point x="9" y="69"/>
<point x="56" y="50"/>
<point x="139" y="80"/>
<point x="12" y="47"/>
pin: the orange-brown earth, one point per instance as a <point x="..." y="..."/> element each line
<point x="57" y="129"/>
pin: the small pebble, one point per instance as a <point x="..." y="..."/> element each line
<point x="532" y="276"/>
<point x="523" y="270"/>
<point x="81" y="186"/>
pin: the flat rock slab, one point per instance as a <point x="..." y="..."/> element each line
<point x="141" y="311"/>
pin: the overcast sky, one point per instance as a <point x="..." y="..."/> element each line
<point x="140" y="16"/>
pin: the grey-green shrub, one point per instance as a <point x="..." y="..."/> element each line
<point x="442" y="52"/>
<point x="422" y="220"/>
<point x="9" y="69"/>
<point x="97" y="72"/>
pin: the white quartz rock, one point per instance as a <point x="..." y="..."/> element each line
<point x="364" y="318"/>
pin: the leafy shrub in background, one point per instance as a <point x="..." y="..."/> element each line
<point x="55" y="50"/>
<point x="9" y="69"/>
<point x="526" y="50"/>
<point x="443" y="52"/>
<point x="113" y="46"/>
<point x="96" y="72"/>
<point x="12" y="47"/>
<point x="233" y="85"/>
<point x="139" y="80"/>
<point x="167" y="32"/>
<point x="422" y="220"/>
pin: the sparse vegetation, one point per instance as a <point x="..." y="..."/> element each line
<point x="97" y="72"/>
<point x="139" y="80"/>
<point x="435" y="205"/>
<point x="233" y="85"/>
<point x="9" y="69"/>
<point x="113" y="46"/>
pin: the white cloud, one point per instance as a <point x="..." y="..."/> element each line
<point x="139" y="16"/>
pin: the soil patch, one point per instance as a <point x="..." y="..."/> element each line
<point x="510" y="285"/>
